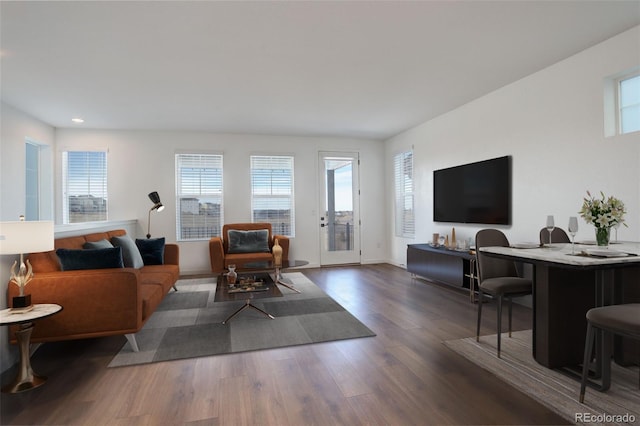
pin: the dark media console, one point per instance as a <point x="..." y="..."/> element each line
<point x="442" y="265"/>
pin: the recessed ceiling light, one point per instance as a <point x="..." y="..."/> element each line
<point x="77" y="120"/>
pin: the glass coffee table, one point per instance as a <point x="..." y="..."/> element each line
<point x="271" y="266"/>
<point x="248" y="286"/>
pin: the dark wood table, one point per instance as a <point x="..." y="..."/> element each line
<point x="565" y="287"/>
<point x="227" y="293"/>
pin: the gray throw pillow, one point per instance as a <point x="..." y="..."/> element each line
<point x="249" y="241"/>
<point x="97" y="244"/>
<point x="130" y="253"/>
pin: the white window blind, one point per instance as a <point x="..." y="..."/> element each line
<point x="403" y="170"/>
<point x="84" y="180"/>
<point x="199" y="214"/>
<point x="629" y="104"/>
<point x="272" y="192"/>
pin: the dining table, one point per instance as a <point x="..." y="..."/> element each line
<point x="568" y="280"/>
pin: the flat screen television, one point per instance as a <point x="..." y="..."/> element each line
<point x="477" y="192"/>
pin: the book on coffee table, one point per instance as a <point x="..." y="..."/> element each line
<point x="248" y="284"/>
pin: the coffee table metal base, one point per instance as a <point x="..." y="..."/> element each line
<point x="245" y="306"/>
<point x="279" y="279"/>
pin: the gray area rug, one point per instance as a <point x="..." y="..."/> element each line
<point x="554" y="389"/>
<point x="188" y="323"/>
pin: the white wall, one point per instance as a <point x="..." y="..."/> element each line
<point x="16" y="128"/>
<point x="143" y="161"/>
<point x="551" y="123"/>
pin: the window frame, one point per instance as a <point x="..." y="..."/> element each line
<point x="99" y="183"/>
<point x="212" y="161"/>
<point x="277" y="224"/>
<point x="620" y="107"/>
<point x="32" y="180"/>
<point x="404" y="225"/>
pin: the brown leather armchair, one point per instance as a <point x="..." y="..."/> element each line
<point x="219" y="247"/>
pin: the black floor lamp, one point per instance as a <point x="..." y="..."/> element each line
<point x="157" y="205"/>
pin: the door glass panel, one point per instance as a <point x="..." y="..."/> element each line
<point x="339" y="214"/>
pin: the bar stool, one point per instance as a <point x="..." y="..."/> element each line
<point x="621" y="320"/>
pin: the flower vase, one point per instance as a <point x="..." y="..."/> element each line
<point x="602" y="236"/>
<point x="232" y="275"/>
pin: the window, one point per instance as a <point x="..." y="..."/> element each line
<point x="272" y="192"/>
<point x="629" y="104"/>
<point x="199" y="213"/>
<point x="403" y="170"/>
<point x="84" y="181"/>
<point x="32" y="190"/>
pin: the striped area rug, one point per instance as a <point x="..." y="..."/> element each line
<point x="554" y="389"/>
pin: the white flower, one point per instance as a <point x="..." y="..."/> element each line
<point x="603" y="212"/>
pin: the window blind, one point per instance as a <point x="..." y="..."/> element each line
<point x="403" y="170"/>
<point x="199" y="196"/>
<point x="84" y="175"/>
<point x="272" y="195"/>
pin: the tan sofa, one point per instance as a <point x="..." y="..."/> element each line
<point x="220" y="256"/>
<point x="96" y="302"/>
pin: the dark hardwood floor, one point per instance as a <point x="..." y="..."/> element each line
<point x="403" y="376"/>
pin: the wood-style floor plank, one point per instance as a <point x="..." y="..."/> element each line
<point x="403" y="376"/>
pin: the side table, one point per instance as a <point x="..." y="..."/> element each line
<point x="26" y="379"/>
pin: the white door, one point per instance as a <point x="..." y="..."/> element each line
<point x="339" y="208"/>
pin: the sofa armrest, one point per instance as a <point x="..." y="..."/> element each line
<point x="283" y="240"/>
<point x="172" y="254"/>
<point x="94" y="302"/>
<point x="216" y="254"/>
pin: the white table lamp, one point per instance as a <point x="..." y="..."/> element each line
<point x="22" y="237"/>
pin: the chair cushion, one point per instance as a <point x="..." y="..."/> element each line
<point x="623" y="318"/>
<point x="256" y="241"/>
<point x="71" y="260"/>
<point x="506" y="285"/>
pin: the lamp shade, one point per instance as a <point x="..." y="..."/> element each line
<point x="26" y="237"/>
<point x="155" y="199"/>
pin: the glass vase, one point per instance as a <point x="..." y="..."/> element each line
<point x="602" y="236"/>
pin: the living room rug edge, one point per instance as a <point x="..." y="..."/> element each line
<point x="554" y="389"/>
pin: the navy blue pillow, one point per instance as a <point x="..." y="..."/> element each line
<point x="248" y="241"/>
<point x="152" y="250"/>
<point x="71" y="260"/>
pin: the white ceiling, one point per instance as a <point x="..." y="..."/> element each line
<point x="367" y="69"/>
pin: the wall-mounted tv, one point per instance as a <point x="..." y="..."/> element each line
<point x="474" y="193"/>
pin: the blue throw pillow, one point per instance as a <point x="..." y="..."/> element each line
<point x="130" y="253"/>
<point x="71" y="260"/>
<point x="248" y="241"/>
<point x="97" y="244"/>
<point x="151" y="250"/>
